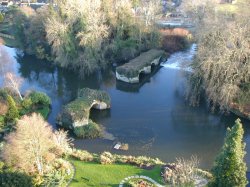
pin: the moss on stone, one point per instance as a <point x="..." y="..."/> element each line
<point x="75" y="115"/>
<point x="89" y="95"/>
<point x="92" y="130"/>
<point x="133" y="67"/>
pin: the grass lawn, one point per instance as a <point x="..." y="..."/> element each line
<point x="94" y="174"/>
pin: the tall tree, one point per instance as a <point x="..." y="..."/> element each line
<point x="229" y="167"/>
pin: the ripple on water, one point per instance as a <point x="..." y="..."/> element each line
<point x="181" y="60"/>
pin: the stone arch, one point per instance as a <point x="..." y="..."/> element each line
<point x="99" y="105"/>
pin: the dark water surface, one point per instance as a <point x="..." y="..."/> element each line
<point x="153" y="118"/>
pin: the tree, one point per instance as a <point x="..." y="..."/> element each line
<point x="229" y="168"/>
<point x="222" y="66"/>
<point x="27" y="147"/>
<point x="14" y="83"/>
<point x="62" y="142"/>
<point x="12" y="113"/>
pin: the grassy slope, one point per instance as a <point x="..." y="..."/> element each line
<point x="94" y="174"/>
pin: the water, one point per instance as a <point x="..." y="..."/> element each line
<point x="181" y="60"/>
<point x="152" y="117"/>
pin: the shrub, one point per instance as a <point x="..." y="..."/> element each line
<point x="82" y="155"/>
<point x="3" y="94"/>
<point x="1" y="122"/>
<point x="138" y="183"/>
<point x="182" y="173"/>
<point x="27" y="103"/>
<point x="11" y="179"/>
<point x="107" y="158"/>
<point x="39" y="98"/>
<point x="1" y="17"/>
<point x="139" y="161"/>
<point x="12" y="113"/>
<point x="58" y="174"/>
<point x="2" y="165"/>
<point x="92" y="130"/>
<point x="44" y="111"/>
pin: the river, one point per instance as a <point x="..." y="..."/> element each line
<point x="153" y="117"/>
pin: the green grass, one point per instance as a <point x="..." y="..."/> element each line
<point x="94" y="174"/>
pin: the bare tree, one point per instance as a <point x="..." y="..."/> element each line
<point x="13" y="82"/>
<point x="62" y="141"/>
<point x="183" y="172"/>
<point x="150" y="9"/>
<point x="26" y="148"/>
<point x="222" y="66"/>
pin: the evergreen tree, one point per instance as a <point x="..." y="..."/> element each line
<point x="12" y="113"/>
<point x="229" y="168"/>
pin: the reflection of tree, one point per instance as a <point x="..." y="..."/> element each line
<point x="6" y="62"/>
<point x="108" y="78"/>
<point x="60" y="82"/>
<point x="29" y="64"/>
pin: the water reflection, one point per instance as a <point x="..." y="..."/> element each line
<point x="127" y="87"/>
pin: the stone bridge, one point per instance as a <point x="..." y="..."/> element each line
<point x="143" y="64"/>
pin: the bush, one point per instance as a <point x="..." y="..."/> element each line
<point x="182" y="173"/>
<point x="11" y="179"/>
<point x="59" y="174"/>
<point x="138" y="183"/>
<point x="39" y="98"/>
<point x="44" y="112"/>
<point x="2" y="165"/>
<point x="107" y="158"/>
<point x="1" y="17"/>
<point x="27" y="103"/>
<point x="2" y="122"/>
<point x="139" y="161"/>
<point x="3" y="94"/>
<point x="82" y="155"/>
<point x="12" y="113"/>
<point x="92" y="130"/>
